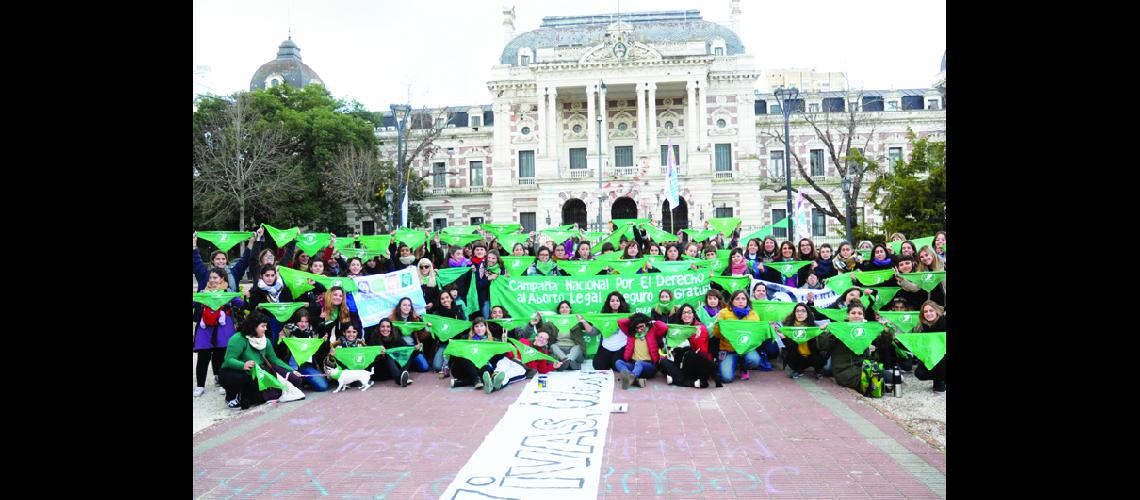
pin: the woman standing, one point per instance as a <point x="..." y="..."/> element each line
<point x="928" y="261"/>
<point x="880" y="259"/>
<point x="270" y="289"/>
<point x="213" y="331"/>
<point x="219" y="259"/>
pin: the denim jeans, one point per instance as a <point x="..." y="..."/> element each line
<point x="418" y="363"/>
<point x="573" y="356"/>
<point x="438" y="362"/>
<point x="728" y="366"/>
<point x="485" y="307"/>
<point x="640" y="369"/>
<point x="318" y="383"/>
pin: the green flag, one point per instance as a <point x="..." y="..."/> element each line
<point x="833" y="314"/>
<point x="529" y="353"/>
<point x="593" y="236"/>
<point x="582" y="267"/>
<point x="801" y="334"/>
<point x="296" y="281"/>
<point x="725" y="225"/>
<point x="773" y="310"/>
<point x="787" y="268"/>
<point x="377" y="242"/>
<point x="357" y="358"/>
<point x="517" y="266"/>
<point x="346" y="242"/>
<point x="678" y="334"/>
<point x="629" y="222"/>
<point x="745" y="335"/>
<point x="472" y="300"/>
<point x="672" y="266"/>
<point x="839" y="283"/>
<point x="282" y="310"/>
<point x="767" y="230"/>
<point x="509" y="324"/>
<point x="498" y="230"/>
<point x="702" y="315"/>
<point x="659" y="235"/>
<point x="459" y="230"/>
<point x="929" y="347"/>
<point x="699" y="235"/>
<point x="857" y="336"/>
<point x="545" y="267"/>
<point x="303" y="349"/>
<point x="330" y="281"/>
<point x="281" y="236"/>
<point x="872" y="278"/>
<point x="905" y="321"/>
<point x="361" y="253"/>
<point x="560" y="235"/>
<point x="605" y="322"/>
<point x="459" y="240"/>
<point x="478" y="351"/>
<point x="409" y="327"/>
<point x="215" y="299"/>
<point x="628" y="266"/>
<point x="886" y="293"/>
<point x="732" y="283"/>
<point x="927" y="280"/>
<point x="401" y="355"/>
<point x="414" y="238"/>
<point x="445" y="328"/>
<point x="615" y="238"/>
<point x="609" y="257"/>
<point x="264" y="378"/>
<point x="592" y="343"/>
<point x="563" y="322"/>
<point x="507" y="241"/>
<point x="225" y="240"/>
<point x="866" y="254"/>
<point x="448" y="275"/>
<point x="311" y="243"/>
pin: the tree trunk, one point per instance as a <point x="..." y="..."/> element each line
<point x="241" y="217"/>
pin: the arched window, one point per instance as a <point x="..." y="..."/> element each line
<point x="574" y="211"/>
<point x="680" y="216"/>
<point x="624" y="208"/>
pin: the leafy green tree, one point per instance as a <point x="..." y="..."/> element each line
<point x="912" y="197"/>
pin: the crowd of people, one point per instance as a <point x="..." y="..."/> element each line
<point x="238" y="334"/>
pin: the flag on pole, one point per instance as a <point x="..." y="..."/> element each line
<point x="672" y="181"/>
<point x="404" y="208"/>
<point x="802" y="227"/>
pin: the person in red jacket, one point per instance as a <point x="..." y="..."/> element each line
<point x="639" y="361"/>
<point x="690" y="364"/>
<point x="541" y="344"/>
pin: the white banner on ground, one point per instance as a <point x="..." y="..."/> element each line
<point x="548" y="445"/>
<point x="821" y="298"/>
<point x="376" y="295"/>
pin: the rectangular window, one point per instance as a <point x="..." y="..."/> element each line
<point x="724" y="157"/>
<point x="577" y="158"/>
<point x="760" y="107"/>
<point x="776" y="164"/>
<point x="895" y="155"/>
<point x="527" y="221"/>
<point x="526" y="164"/>
<point x="438" y="175"/>
<point x="476" y="121"/>
<point x="833" y="105"/>
<point x="775" y="110"/>
<point x="525" y="61"/>
<point x="777" y="215"/>
<point x="817" y="163"/>
<point x="439" y="122"/>
<point x="813" y="107"/>
<point x="872" y="103"/>
<point x="623" y="156"/>
<point x="724" y="211"/>
<point x="718" y="51"/>
<point x="818" y="223"/>
<point x="892" y="105"/>
<point x="676" y="155"/>
<point x="476" y="168"/>
<point x="368" y="228"/>
<point x="475" y="221"/>
<point x="438" y="224"/>
<point x="932" y="104"/>
<point x="853" y="107"/>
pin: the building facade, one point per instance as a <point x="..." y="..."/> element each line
<point x="607" y="93"/>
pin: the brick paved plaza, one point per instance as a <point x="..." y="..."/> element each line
<point x="768" y="437"/>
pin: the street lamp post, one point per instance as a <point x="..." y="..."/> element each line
<point x="784" y="95"/>
<point x="400" y="113"/>
<point x="601" y="195"/>
<point x="391" y="209"/>
<point x="847" y="199"/>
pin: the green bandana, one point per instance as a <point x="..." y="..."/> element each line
<point x="379" y="242"/>
<point x="593" y="236"/>
<point x="801" y="334"/>
<point x="929" y="347"/>
<point x="445" y="328"/>
<point x="346" y="283"/>
<point x="413" y="238"/>
<point x="516" y="266"/>
<point x="833" y="314"/>
<point x="509" y="324"/>
<point x="927" y="280"/>
<point x="609" y="257"/>
<point x="225" y="240"/>
<point x="629" y="222"/>
<point x="745" y="335"/>
<point x="343" y="243"/>
<point x="281" y="236"/>
<point x="459" y="230"/>
<point x="498" y="230"/>
<point x="665" y="308"/>
<point x="605" y="322"/>
<point x="905" y="321"/>
<point x="678" y="334"/>
<point x="282" y="310"/>
<point x="357" y="358"/>
<point x="709" y="321"/>
<point x="545" y="267"/>
<point x="215" y="299"/>
<point x="448" y="275"/>
<point x="773" y="310"/>
<point x="627" y="267"/>
<point x="839" y="283"/>
<point x="896" y="246"/>
<point x="659" y="235"/>
<point x="857" y="336"/>
<point x="560" y="235"/>
<point x="788" y="268"/>
<point x="303" y="349"/>
<point x="886" y="293"/>
<point x="732" y="283"/>
<point x="699" y="235"/>
<point x="265" y="379"/>
<point x="581" y="267"/>
<point x="459" y="240"/>
<point x="563" y="322"/>
<point x="866" y="254"/>
<point x="725" y="224"/>
<point x="311" y="243"/>
<point x="529" y="353"/>
<point x="409" y="327"/>
<point x="361" y="253"/>
<point x="592" y="344"/>
<point x="765" y="231"/>
<point x="401" y="355"/>
<point x="672" y="266"/>
<point x="478" y="351"/>
<point x="296" y="281"/>
<point x="615" y="238"/>
<point x="507" y="241"/>
<point x="872" y="278"/>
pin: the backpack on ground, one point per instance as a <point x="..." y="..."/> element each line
<point x="871" y="379"/>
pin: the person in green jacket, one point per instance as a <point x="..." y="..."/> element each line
<point x="846" y="366"/>
<point x="536" y="324"/>
<point x="242" y="352"/>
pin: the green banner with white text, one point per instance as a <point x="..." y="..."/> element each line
<point x="522" y="296"/>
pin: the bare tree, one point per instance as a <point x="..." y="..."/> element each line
<point x="240" y="164"/>
<point x="358" y="177"/>
<point x="422" y="129"/>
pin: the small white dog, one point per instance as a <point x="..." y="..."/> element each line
<point x="344" y="378"/>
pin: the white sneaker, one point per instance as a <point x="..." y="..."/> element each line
<point x="668" y="379"/>
<point x="199" y="391"/>
<point x="222" y="390"/>
<point x="697" y="383"/>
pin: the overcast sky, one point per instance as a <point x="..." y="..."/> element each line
<point x="440" y="52"/>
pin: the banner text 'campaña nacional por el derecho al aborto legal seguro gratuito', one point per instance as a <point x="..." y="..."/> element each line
<point x="522" y="296"/>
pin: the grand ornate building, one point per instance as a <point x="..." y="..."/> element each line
<point x="611" y="92"/>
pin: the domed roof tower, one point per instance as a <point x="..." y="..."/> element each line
<point x="286" y="68"/>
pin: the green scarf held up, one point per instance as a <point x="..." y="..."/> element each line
<point x="857" y="336"/>
<point x="303" y="349"/>
<point x="499" y="230"/>
<point x="529" y="353"/>
<point x="609" y="257"/>
<point x="605" y="322"/>
<point x="581" y="268"/>
<point x="745" y="336"/>
<point x="448" y="275"/>
<point x="700" y="235"/>
<point x="615" y="238"/>
<point x="766" y="231"/>
<point x="545" y="267"/>
<point x="839" y="283"/>
<point x="360" y="253"/>
<point x="560" y="235"/>
<point x="282" y="310"/>
<point x="445" y="328"/>
<point x="725" y="225"/>
<point x="665" y="308"/>
<point x="459" y="240"/>
<point x="896" y="246"/>
<point x="401" y="355"/>
<point x="787" y="269"/>
<point x="508" y="241"/>
<point x="281" y="236"/>
<point x="409" y="327"/>
<point x="866" y="254"/>
<point x="311" y="243"/>
<point x="296" y="281"/>
<point x="509" y="324"/>
<point x="593" y="236"/>
<point x="378" y="242"/>
<point x="927" y="280"/>
<point x="773" y="310"/>
<point x="562" y="322"/>
<point x="628" y="266"/>
<point x="872" y="278"/>
<point x="265" y="379"/>
<point x="886" y="293"/>
<point x="629" y="222"/>
<point x="357" y="358"/>
<point x="453" y="230"/>
<point x="732" y="283"/>
<point x="215" y="299"/>
<point x="905" y="321"/>
<point x="343" y="243"/>
<point x="672" y="266"/>
<point x="678" y="334"/>
<point x="659" y="235"/>
<point x="705" y="318"/>
<point x="517" y="266"/>
<point x="832" y="314"/>
<point x="929" y="347"/>
<point x="801" y="334"/>
<point x="413" y="238"/>
<point x="478" y="352"/>
<point x="328" y="282"/>
<point x="225" y="240"/>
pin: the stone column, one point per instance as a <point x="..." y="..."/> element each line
<point x="591" y="126"/>
<point x="703" y="112"/>
<point x="691" y="115"/>
<point x="651" y="120"/>
<point x="553" y="132"/>
<point x="641" y="129"/>
<point x="603" y="149"/>
<point x="540" y="124"/>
